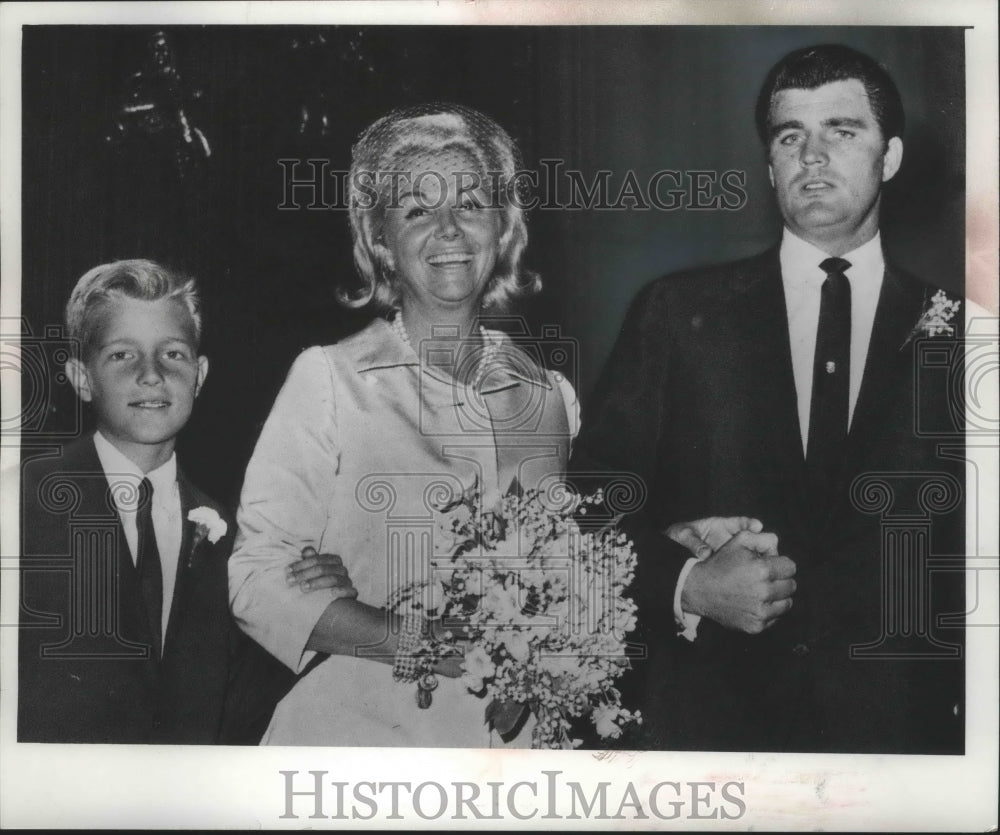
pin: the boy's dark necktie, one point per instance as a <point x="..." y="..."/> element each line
<point x="829" y="409"/>
<point x="148" y="564"/>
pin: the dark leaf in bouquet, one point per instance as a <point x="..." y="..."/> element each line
<point x="506" y="717"/>
<point x="494" y="527"/>
<point x="533" y="604"/>
<point x="464" y="548"/>
<point x="515" y="489"/>
<point x="470" y="603"/>
<point x="471" y="493"/>
<point x="448" y="506"/>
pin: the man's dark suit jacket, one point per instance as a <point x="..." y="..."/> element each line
<point x="85" y="669"/>
<point x="698" y="400"/>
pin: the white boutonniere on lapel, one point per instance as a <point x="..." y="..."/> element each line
<point x="209" y="524"/>
<point x="934" y="321"/>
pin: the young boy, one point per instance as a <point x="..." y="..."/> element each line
<point x="125" y="633"/>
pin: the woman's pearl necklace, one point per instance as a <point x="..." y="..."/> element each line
<point x="490" y="350"/>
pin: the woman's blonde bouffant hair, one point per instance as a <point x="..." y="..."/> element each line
<point x="396" y="142"/>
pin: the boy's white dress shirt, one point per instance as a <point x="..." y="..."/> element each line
<point x="166" y="510"/>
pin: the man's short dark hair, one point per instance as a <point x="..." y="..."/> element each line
<point x="814" y="66"/>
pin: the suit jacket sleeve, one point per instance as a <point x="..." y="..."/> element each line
<point x="257" y="682"/>
<point x="628" y="414"/>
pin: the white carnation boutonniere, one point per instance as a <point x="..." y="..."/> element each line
<point x="209" y="523"/>
<point x="936" y="318"/>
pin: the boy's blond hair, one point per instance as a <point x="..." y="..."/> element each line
<point x="135" y="278"/>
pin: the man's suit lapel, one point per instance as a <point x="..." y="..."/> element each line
<point x="191" y="560"/>
<point x="767" y="363"/>
<point x="888" y="368"/>
<point x="98" y="503"/>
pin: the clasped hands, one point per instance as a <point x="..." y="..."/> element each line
<point x="740" y="581"/>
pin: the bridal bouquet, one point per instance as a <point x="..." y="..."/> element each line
<point x="539" y="605"/>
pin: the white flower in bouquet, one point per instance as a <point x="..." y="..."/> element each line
<point x="477" y="666"/>
<point x="606" y="721"/>
<point x="501" y="603"/>
<point x="558" y="665"/>
<point x="517" y="646"/>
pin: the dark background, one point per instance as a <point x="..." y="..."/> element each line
<point x="111" y="171"/>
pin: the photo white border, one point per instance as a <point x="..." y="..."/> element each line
<point x="67" y="786"/>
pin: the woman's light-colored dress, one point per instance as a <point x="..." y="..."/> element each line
<point x="362" y="444"/>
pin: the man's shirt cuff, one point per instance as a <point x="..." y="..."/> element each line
<point x="686" y="622"/>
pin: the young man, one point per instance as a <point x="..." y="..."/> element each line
<point x="787" y="387"/>
<point x="125" y="633"/>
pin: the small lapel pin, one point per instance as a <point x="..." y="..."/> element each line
<point x="831" y="367"/>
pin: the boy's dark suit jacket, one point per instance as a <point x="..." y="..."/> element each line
<point x="698" y="400"/>
<point x="85" y="673"/>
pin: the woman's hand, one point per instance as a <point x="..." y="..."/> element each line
<point x="313" y="572"/>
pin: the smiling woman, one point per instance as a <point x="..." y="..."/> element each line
<point x="369" y="436"/>
<point x="441" y="239"/>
